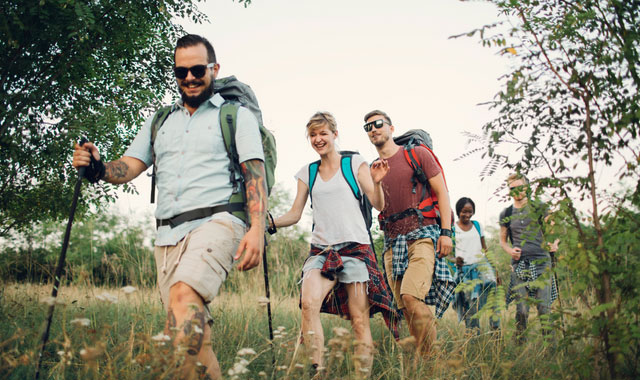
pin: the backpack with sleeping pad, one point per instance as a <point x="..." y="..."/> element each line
<point x="428" y="206"/>
<point x="235" y="94"/>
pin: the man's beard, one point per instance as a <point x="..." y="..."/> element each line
<point x="382" y="139"/>
<point x="195" y="101"/>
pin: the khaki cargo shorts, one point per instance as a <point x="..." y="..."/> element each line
<point x="419" y="274"/>
<point x="202" y="260"/>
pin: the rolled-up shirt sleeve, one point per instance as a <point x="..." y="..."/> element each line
<point x="248" y="138"/>
<point x="140" y="148"/>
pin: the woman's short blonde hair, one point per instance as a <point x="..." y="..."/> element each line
<point x="321" y="119"/>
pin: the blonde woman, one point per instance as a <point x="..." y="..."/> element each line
<point x="341" y="257"/>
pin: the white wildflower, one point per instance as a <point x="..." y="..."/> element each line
<point x="129" y="289"/>
<point x="107" y="297"/>
<point x="239" y="369"/>
<point x="263" y="301"/>
<point x="340" y="331"/>
<point x="51" y="300"/>
<point x="81" y="322"/>
<point x="60" y="353"/>
<point x="161" y="337"/>
<point x="262" y="374"/>
<point x="246" y="351"/>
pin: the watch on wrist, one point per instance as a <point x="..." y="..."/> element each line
<point x="445" y="232"/>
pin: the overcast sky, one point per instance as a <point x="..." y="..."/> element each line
<point x="349" y="57"/>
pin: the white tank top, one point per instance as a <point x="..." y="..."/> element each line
<point x="468" y="245"/>
<point x="336" y="213"/>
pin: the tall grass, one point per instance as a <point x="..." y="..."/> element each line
<point x="122" y="339"/>
<point x="119" y="341"/>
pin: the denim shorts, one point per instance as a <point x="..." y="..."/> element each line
<point x="354" y="270"/>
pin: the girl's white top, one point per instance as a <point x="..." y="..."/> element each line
<point x="336" y="212"/>
<point x="468" y="245"/>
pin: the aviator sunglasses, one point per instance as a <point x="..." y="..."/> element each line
<point x="376" y="123"/>
<point x="198" y="71"/>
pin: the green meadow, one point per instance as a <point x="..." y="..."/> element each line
<point x="109" y="326"/>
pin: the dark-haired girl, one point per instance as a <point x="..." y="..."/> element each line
<point x="474" y="273"/>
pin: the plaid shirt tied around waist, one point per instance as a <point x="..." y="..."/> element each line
<point x="378" y="293"/>
<point x="442" y="287"/>
<point x="527" y="271"/>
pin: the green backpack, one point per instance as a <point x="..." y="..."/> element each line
<point x="235" y="94"/>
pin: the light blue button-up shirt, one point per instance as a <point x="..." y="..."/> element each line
<point x="192" y="163"/>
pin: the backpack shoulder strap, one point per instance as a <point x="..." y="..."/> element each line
<point x="347" y="173"/>
<point x="507" y="219"/>
<point x="158" y="120"/>
<point x="228" y="118"/>
<point x="237" y="201"/>
<point x="477" y="226"/>
<point x="313" y="173"/>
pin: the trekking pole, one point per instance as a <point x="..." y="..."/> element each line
<point x="554" y="261"/>
<point x="60" y="267"/>
<point x="268" y="295"/>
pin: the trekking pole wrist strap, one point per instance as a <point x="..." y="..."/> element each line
<point x="95" y="171"/>
<point x="271" y="229"/>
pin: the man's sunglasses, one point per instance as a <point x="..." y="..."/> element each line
<point x="376" y="123"/>
<point x="198" y="71"/>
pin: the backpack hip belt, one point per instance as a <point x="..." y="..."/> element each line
<point x="198" y="213"/>
<point x="420" y="213"/>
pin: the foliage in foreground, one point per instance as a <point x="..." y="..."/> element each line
<point x="73" y="68"/>
<point x="569" y="118"/>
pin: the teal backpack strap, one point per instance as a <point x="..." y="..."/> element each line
<point x="477" y="226"/>
<point x="228" y="119"/>
<point x="313" y="173"/>
<point x="158" y="120"/>
<point x="347" y="173"/>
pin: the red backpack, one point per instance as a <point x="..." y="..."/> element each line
<point x="428" y="206"/>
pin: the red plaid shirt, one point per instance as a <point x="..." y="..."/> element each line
<point x="380" y="297"/>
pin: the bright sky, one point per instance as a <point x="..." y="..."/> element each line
<point x="350" y="57"/>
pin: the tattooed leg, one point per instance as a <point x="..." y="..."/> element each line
<point x="194" y="332"/>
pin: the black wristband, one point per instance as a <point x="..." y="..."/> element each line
<point x="272" y="226"/>
<point x="445" y="232"/>
<point x="95" y="171"/>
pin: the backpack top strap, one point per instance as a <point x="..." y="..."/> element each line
<point x="477" y="226"/>
<point x="347" y="173"/>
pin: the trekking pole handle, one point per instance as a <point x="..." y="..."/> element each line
<point x="82" y="169"/>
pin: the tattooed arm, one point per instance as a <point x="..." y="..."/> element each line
<point x="121" y="170"/>
<point x="252" y="243"/>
